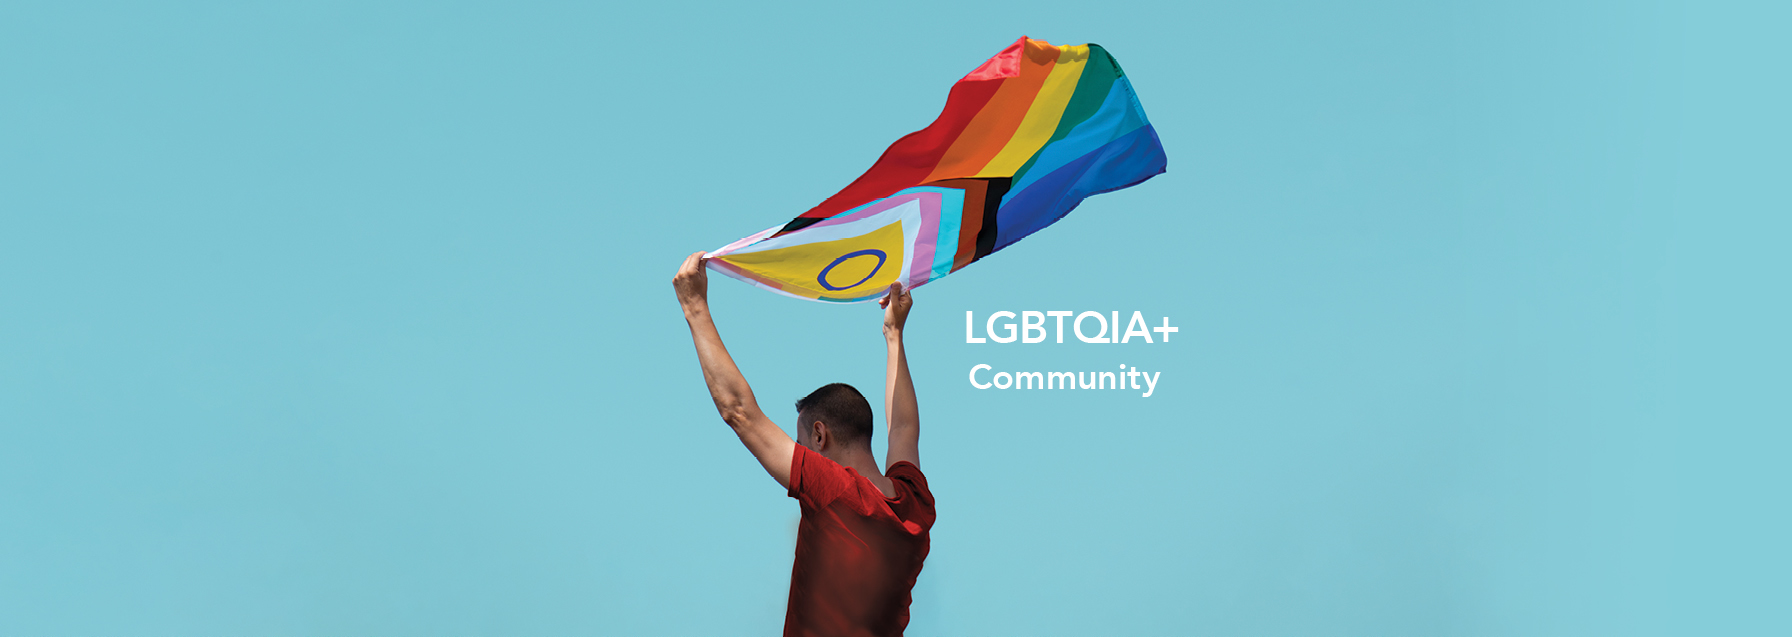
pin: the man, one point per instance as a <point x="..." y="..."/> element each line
<point x="863" y="533"/>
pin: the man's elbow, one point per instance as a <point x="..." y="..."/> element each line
<point x="737" y="415"/>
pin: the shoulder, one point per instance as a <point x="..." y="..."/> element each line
<point x="814" y="478"/>
<point x="906" y="468"/>
<point x="907" y="472"/>
<point x="916" y="508"/>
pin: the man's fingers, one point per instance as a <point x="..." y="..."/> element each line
<point x="895" y="293"/>
<point x="692" y="264"/>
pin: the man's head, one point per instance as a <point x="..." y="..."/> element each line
<point x="832" y="418"/>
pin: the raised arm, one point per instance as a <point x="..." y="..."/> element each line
<point x="734" y="398"/>
<point x="899" y="390"/>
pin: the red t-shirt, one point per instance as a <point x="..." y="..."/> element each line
<point x="857" y="552"/>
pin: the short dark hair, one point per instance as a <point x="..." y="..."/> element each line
<point x="843" y="408"/>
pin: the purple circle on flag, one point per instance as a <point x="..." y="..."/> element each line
<point x="823" y="277"/>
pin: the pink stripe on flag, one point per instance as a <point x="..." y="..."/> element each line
<point x="920" y="265"/>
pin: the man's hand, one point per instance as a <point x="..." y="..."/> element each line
<point x="692" y="281"/>
<point x="896" y="306"/>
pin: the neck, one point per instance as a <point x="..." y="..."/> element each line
<point x="858" y="459"/>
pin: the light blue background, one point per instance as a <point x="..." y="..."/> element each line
<point x="355" y="319"/>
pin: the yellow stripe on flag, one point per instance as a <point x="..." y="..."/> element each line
<point x="1042" y="117"/>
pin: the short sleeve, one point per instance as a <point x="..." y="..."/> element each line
<point x="816" y="481"/>
<point x="920" y="511"/>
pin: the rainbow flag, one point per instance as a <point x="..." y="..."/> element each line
<point x="1023" y="139"/>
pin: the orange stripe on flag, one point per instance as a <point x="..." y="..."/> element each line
<point x="992" y="127"/>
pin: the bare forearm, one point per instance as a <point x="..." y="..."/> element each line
<point x="899" y="388"/>
<point x="733" y="396"/>
<point x="900" y="405"/>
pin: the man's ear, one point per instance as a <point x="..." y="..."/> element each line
<point x="819" y="435"/>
